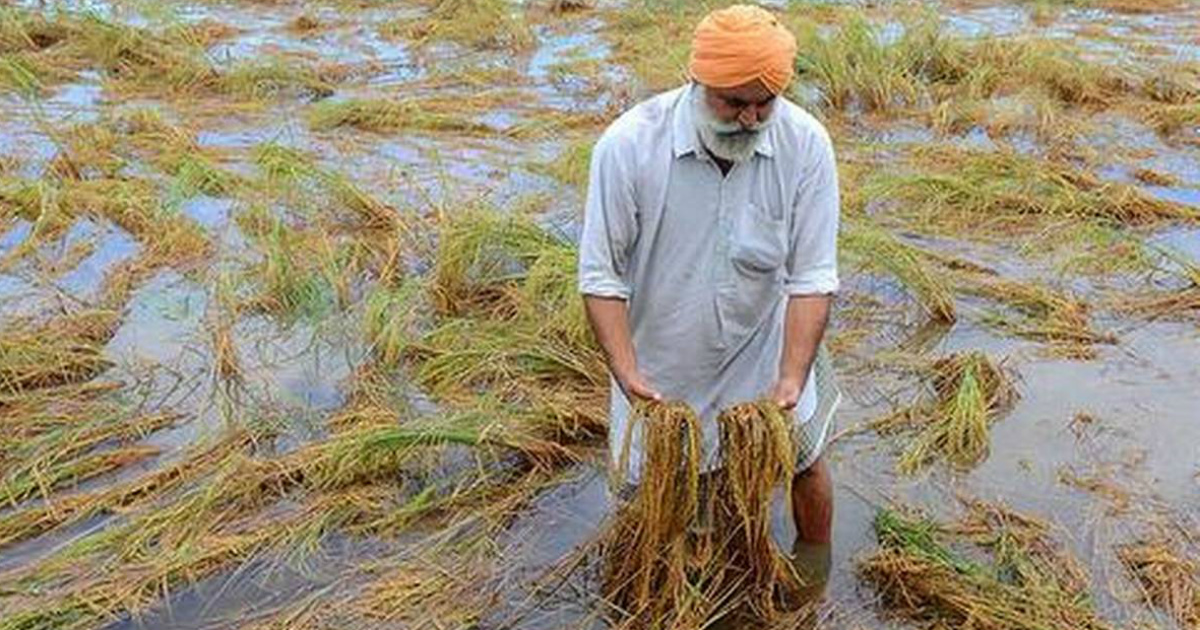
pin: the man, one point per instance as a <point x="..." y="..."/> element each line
<point x="708" y="255"/>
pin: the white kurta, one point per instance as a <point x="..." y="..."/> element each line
<point x="707" y="260"/>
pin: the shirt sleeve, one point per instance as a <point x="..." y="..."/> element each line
<point x="812" y="250"/>
<point x="610" y="223"/>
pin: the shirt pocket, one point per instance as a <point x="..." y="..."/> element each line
<point x="758" y="243"/>
<point x="756" y="254"/>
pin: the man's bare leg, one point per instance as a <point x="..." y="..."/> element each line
<point x="812" y="503"/>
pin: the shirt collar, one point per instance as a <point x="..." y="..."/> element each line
<point x="684" y="134"/>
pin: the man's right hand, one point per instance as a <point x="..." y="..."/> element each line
<point x="636" y="386"/>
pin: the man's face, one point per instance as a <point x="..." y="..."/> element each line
<point x="730" y="120"/>
<point x="748" y="105"/>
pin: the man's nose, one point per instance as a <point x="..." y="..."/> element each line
<point x="748" y="117"/>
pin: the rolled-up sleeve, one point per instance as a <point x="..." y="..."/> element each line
<point x="609" y="222"/>
<point x="812" y="249"/>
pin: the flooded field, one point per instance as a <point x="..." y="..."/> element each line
<point x="289" y="335"/>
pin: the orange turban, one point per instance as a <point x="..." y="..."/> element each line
<point x="740" y="44"/>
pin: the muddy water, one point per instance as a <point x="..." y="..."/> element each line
<point x="1142" y="394"/>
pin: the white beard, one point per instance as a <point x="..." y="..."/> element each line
<point x="726" y="140"/>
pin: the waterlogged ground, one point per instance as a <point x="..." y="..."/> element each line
<point x="270" y="261"/>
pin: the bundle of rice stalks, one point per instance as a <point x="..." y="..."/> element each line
<point x="876" y="248"/>
<point x="297" y="177"/>
<point x="1042" y="314"/>
<point x="757" y="456"/>
<point x="64" y="350"/>
<point x="681" y="553"/>
<point x="1168" y="579"/>
<point x="352" y="482"/>
<point x="390" y="320"/>
<point x="95" y="425"/>
<point x="32" y="413"/>
<point x="480" y="24"/>
<point x="426" y="589"/>
<point x="969" y="393"/>
<point x="388" y="116"/>
<point x="1175" y="122"/>
<point x="43" y="482"/>
<point x="923" y="577"/>
<point x="647" y="553"/>
<point x="1182" y="299"/>
<point x="139" y="60"/>
<point x="462" y="357"/>
<point x="953" y="190"/>
<point x="268" y="78"/>
<point x="59" y="511"/>
<point x="481" y="252"/>
<point x="171" y="238"/>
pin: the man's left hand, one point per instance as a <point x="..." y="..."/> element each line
<point x="786" y="392"/>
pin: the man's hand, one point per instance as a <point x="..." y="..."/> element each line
<point x="635" y="386"/>
<point x="786" y="393"/>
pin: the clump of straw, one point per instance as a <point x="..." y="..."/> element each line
<point x="757" y="455"/>
<point x="969" y="393"/>
<point x="1168" y="580"/>
<point x="668" y="567"/>
<point x="645" y="571"/>
<point x="1026" y="584"/>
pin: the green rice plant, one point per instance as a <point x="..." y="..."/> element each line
<point x="14" y="490"/>
<point x="1041" y="314"/>
<point x="23" y="74"/>
<point x="951" y="190"/>
<point x="461" y="357"/>
<point x="856" y="65"/>
<point x="387" y="115"/>
<point x="290" y="284"/>
<point x="479" y="252"/>
<point x="390" y="320"/>
<point x="571" y="165"/>
<point x="283" y="165"/>
<point x="196" y="174"/>
<point x="548" y="295"/>
<point x="1104" y="250"/>
<point x="1024" y="580"/>
<point x="36" y="519"/>
<point x="297" y="176"/>
<point x="878" y="249"/>
<point x="479" y="24"/>
<point x="267" y="78"/>
<point x="953" y="421"/>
